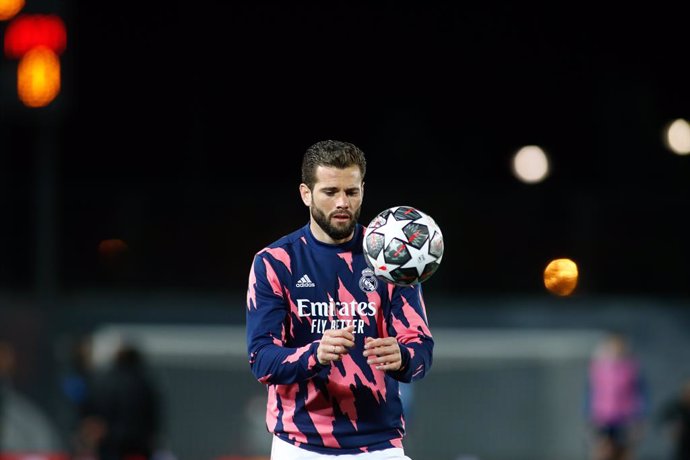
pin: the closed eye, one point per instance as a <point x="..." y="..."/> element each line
<point x="333" y="191"/>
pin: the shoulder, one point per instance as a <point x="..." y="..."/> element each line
<point x="282" y="249"/>
<point x="284" y="242"/>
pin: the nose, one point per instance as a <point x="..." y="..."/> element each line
<point x="342" y="200"/>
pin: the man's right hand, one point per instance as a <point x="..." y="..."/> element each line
<point x="334" y="344"/>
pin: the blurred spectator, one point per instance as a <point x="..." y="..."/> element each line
<point x="122" y="413"/>
<point x="75" y="384"/>
<point x="24" y="427"/>
<point x="675" y="414"/>
<point x="76" y="381"/>
<point x="617" y="400"/>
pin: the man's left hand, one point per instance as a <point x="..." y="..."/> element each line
<point x="384" y="353"/>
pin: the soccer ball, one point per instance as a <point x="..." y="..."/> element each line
<point x="403" y="246"/>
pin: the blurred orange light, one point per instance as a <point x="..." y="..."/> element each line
<point x="28" y="31"/>
<point x="9" y="8"/>
<point x="38" y="77"/>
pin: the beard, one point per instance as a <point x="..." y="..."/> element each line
<point x="339" y="232"/>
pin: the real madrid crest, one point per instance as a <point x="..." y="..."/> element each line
<point x="368" y="282"/>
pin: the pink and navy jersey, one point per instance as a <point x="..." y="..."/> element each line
<point x="616" y="391"/>
<point x="299" y="288"/>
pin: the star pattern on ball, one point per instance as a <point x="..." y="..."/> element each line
<point x="417" y="255"/>
<point x="393" y="241"/>
<point x="394" y="229"/>
<point x="382" y="267"/>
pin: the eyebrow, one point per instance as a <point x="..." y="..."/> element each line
<point x="335" y="189"/>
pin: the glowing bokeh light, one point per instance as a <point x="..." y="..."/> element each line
<point x="677" y="137"/>
<point x="560" y="276"/>
<point x="10" y="8"/>
<point x="530" y="164"/>
<point x="27" y="31"/>
<point x="38" y="77"/>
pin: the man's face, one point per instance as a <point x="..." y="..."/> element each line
<point x="335" y="203"/>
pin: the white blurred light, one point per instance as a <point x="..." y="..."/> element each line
<point x="678" y="137"/>
<point x="530" y="164"/>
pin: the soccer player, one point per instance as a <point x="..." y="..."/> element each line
<point x="617" y="399"/>
<point x="328" y="339"/>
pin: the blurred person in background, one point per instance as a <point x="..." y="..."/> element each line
<point x="76" y="380"/>
<point x="616" y="399"/>
<point x="122" y="412"/>
<point x="675" y="415"/>
<point x="24" y="426"/>
<point x="75" y="385"/>
<point x="329" y="340"/>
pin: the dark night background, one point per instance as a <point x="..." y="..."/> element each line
<point x="180" y="130"/>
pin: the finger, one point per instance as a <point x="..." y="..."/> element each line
<point x="382" y="359"/>
<point x="370" y="351"/>
<point x="385" y="363"/>
<point x="349" y="332"/>
<point x="380" y="342"/>
<point x="343" y="342"/>
<point x="346" y="333"/>
<point x="388" y="367"/>
<point x="336" y="352"/>
<point x="384" y="348"/>
<point x="327" y="353"/>
<point x="377" y="360"/>
<point x="346" y="330"/>
<point x="380" y="356"/>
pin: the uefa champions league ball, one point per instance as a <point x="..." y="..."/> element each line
<point x="403" y="246"/>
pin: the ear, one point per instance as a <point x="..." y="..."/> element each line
<point x="305" y="193"/>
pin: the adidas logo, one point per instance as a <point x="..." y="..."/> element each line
<point x="305" y="282"/>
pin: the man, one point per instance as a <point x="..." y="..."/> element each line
<point x="617" y="399"/>
<point x="330" y="341"/>
<point x="122" y="413"/>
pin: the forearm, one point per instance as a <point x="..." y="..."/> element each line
<point x="275" y="364"/>
<point x="417" y="358"/>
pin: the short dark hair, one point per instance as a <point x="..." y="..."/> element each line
<point x="336" y="154"/>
